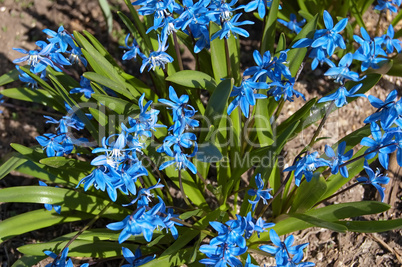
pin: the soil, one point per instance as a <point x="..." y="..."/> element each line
<point x="21" y="23"/>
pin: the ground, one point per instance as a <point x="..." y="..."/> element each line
<point x="21" y="23"/>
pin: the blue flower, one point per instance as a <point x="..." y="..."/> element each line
<point x="24" y="77"/>
<point x="140" y="222"/>
<point x="144" y="196"/>
<point x="383" y="145"/>
<point x="192" y="13"/>
<point x="135" y="260"/>
<point x="342" y="72"/>
<point x="283" y="250"/>
<point x="51" y="143"/>
<point x="230" y="233"/>
<point x="37" y="59"/>
<point x="245" y="96"/>
<point x="387" y="111"/>
<point x="253" y="225"/>
<point x="374" y="179"/>
<point x="368" y="54"/>
<point x="340" y="95"/>
<point x="180" y="159"/>
<point x="391" y="5"/>
<point x="339" y="158"/>
<point x="259" y="192"/>
<point x="61" y="37"/>
<point x="76" y="56"/>
<point x="284" y="89"/>
<point x="158" y="58"/>
<point x="231" y="26"/>
<point x="99" y="178"/>
<point x="49" y="207"/>
<point x="260" y="5"/>
<point x="388" y="42"/>
<point x="293" y="25"/>
<point x="133" y="50"/>
<point x="220" y="256"/>
<point x="268" y="67"/>
<point x="61" y="261"/>
<point x="330" y="37"/>
<point x="306" y="165"/>
<point x="85" y="88"/>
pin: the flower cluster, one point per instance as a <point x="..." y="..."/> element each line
<point x="178" y="141"/>
<point x="119" y="167"/>
<point x="231" y="240"/>
<point x="145" y="221"/>
<point x="52" y="53"/>
<point x="284" y="250"/>
<point x="61" y="143"/>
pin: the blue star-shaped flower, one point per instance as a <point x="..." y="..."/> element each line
<point x="339" y="158"/>
<point x="135" y="260"/>
<point x="374" y="179"/>
<point x="340" y="95"/>
<point x="260" y="193"/>
<point x="292" y="24"/>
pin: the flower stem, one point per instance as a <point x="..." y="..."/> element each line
<point x="317" y="132"/>
<point x="377" y="27"/>
<point x="177" y="48"/>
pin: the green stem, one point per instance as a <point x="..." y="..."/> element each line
<point x="317" y="132"/>
<point x="177" y="48"/>
<point x="377" y="27"/>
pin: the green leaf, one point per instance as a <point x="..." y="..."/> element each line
<point x="9" y="77"/>
<point x="308" y="194"/>
<point x="285" y="224"/>
<point x="11" y="164"/>
<point x="372" y="226"/>
<point x="28" y="260"/>
<point x="107" y="14"/>
<point x="217" y="104"/>
<point x="118" y="105"/>
<point x="57" y="162"/>
<point x="173" y="259"/>
<point x="105" y="81"/>
<point x="234" y="57"/>
<point x="37" y="219"/>
<point x="268" y="37"/>
<point x="296" y="56"/>
<point x="218" y="54"/>
<point x="262" y="123"/>
<point x="281" y="43"/>
<point x="80" y="248"/>
<point x="41" y="96"/>
<point x="67" y="198"/>
<point x="320" y="223"/>
<point x="193" y="79"/>
<point x="101" y="49"/>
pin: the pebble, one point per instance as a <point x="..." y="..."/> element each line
<point x="3" y="9"/>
